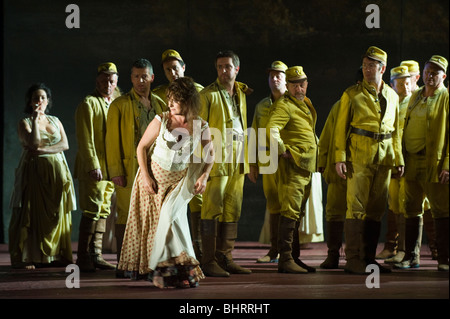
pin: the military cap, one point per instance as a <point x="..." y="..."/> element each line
<point x="295" y="74"/>
<point x="107" y="67"/>
<point x="440" y="61"/>
<point x="400" y="72"/>
<point x="413" y="66"/>
<point x="168" y="54"/>
<point x="377" y="54"/>
<point x="278" y="66"/>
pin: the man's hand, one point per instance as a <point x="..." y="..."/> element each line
<point x="96" y="174"/>
<point x="119" y="181"/>
<point x="341" y="169"/>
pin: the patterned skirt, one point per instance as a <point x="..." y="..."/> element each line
<point x="140" y="235"/>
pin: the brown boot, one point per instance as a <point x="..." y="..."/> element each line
<point x="296" y="249"/>
<point x="196" y="235"/>
<point x="272" y="255"/>
<point x="226" y="238"/>
<point x="390" y="243"/>
<point x="97" y="246"/>
<point x="209" y="265"/>
<point x="86" y="232"/>
<point x="412" y="234"/>
<point x="441" y="226"/>
<point x="400" y="220"/>
<point x="370" y="236"/>
<point x="335" y="230"/>
<point x="353" y="239"/>
<point x="286" y="263"/>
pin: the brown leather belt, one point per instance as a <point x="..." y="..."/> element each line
<point x="375" y="136"/>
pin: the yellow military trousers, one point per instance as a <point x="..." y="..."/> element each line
<point x="294" y="187"/>
<point x="396" y="195"/>
<point x="416" y="189"/>
<point x="270" y="188"/>
<point x="367" y="190"/>
<point x="95" y="198"/>
<point x="336" y="208"/>
<point x="222" y="199"/>
<point x="123" y="196"/>
<point x="195" y="205"/>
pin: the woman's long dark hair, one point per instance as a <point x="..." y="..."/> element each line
<point x="29" y="95"/>
<point x="183" y="91"/>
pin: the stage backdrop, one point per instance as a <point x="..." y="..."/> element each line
<point x="49" y="41"/>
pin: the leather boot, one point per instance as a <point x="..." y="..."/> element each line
<point x="272" y="255"/>
<point x="227" y="238"/>
<point x="428" y="227"/>
<point x="390" y="243"/>
<point x="86" y="231"/>
<point x="352" y="234"/>
<point x="97" y="246"/>
<point x="286" y="263"/>
<point x="370" y="236"/>
<point x="195" y="233"/>
<point x="335" y="231"/>
<point x="210" y="267"/>
<point x="441" y="227"/>
<point x="417" y="247"/>
<point x="401" y="241"/>
<point x="412" y="231"/>
<point x="296" y="250"/>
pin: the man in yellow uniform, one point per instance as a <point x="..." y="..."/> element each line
<point x="277" y="85"/>
<point x="174" y="68"/>
<point x="394" y="242"/>
<point x="368" y="147"/>
<point x="95" y="190"/>
<point x="414" y="71"/>
<point x="128" y="117"/>
<point x="337" y="187"/>
<point x="427" y="220"/>
<point x="224" y="107"/>
<point x="292" y="125"/>
<point x="426" y="149"/>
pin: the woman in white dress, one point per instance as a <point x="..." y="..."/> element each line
<point x="157" y="243"/>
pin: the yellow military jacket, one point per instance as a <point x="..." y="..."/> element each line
<point x="90" y="120"/>
<point x="437" y="148"/>
<point x="123" y="134"/>
<point x="294" y="122"/>
<point x="215" y="111"/>
<point x="326" y="157"/>
<point x="161" y="90"/>
<point x="260" y="119"/>
<point x="360" y="108"/>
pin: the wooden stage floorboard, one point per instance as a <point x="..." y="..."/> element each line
<point x="264" y="284"/>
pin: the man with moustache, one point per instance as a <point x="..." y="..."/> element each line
<point x="128" y="118"/>
<point x="224" y="107"/>
<point x="292" y="125"/>
<point x="95" y="190"/>
<point x="368" y="147"/>
<point x="426" y="150"/>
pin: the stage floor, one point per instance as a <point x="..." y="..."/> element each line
<point x="263" y="284"/>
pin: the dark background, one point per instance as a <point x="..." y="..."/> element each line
<point x="326" y="37"/>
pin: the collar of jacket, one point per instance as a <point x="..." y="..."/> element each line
<point x="238" y="85"/>
<point x="372" y="90"/>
